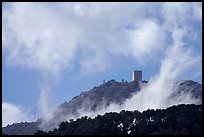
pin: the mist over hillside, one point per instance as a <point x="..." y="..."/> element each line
<point x="111" y="96"/>
<point x="175" y="120"/>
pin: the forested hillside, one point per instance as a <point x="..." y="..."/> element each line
<point x="181" y="119"/>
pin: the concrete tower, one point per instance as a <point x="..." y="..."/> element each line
<point x="137" y="76"/>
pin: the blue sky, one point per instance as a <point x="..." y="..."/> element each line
<point x="72" y="47"/>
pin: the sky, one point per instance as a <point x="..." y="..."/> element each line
<point x="52" y="52"/>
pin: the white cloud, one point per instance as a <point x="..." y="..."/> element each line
<point x="47" y="36"/>
<point x="96" y="64"/>
<point x="41" y="42"/>
<point x="148" y="40"/>
<point x="47" y="40"/>
<point x="13" y="114"/>
<point x="3" y="40"/>
<point x="197" y="10"/>
<point x="52" y="37"/>
<point x="180" y="15"/>
<point x="3" y="37"/>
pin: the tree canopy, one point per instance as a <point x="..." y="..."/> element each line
<point x="178" y="120"/>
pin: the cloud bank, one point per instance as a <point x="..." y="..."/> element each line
<point x="53" y="37"/>
<point x="47" y="40"/>
<point x="12" y="114"/>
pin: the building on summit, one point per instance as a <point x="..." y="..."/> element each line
<point x="137" y="76"/>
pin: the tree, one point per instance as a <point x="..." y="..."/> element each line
<point x="178" y="120"/>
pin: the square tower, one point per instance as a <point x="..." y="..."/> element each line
<point x="137" y="76"/>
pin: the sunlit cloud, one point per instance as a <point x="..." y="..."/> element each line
<point x="12" y="113"/>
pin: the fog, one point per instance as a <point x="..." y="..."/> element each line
<point x="47" y="37"/>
